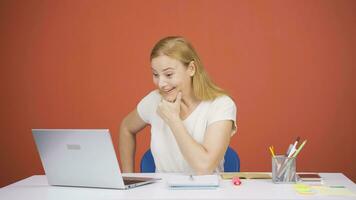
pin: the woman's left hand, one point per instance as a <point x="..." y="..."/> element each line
<point x="168" y="111"/>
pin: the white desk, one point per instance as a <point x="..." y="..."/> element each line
<point x="36" y="187"/>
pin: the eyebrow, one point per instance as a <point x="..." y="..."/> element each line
<point x="165" y="69"/>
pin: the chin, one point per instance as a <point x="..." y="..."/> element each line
<point x="170" y="98"/>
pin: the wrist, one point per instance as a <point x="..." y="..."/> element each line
<point x="174" y="121"/>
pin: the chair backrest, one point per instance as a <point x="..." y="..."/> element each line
<point x="231" y="164"/>
<point x="147" y="163"/>
<point x="232" y="161"/>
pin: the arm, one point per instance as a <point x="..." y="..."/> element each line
<point x="205" y="157"/>
<point x="130" y="125"/>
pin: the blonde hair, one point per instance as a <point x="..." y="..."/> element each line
<point x="179" y="48"/>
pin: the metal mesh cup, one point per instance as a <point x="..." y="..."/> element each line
<point x="283" y="169"/>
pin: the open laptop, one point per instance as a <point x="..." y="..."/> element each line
<point x="82" y="158"/>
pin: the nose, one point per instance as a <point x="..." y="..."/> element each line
<point x="162" y="83"/>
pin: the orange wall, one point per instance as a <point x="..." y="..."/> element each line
<point x="290" y="66"/>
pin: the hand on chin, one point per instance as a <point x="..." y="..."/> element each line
<point x="170" y="98"/>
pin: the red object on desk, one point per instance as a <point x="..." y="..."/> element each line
<point x="236" y="181"/>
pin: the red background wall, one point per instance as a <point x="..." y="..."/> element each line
<point x="290" y="66"/>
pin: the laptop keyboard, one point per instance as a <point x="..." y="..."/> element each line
<point x="133" y="180"/>
<point x="129" y="182"/>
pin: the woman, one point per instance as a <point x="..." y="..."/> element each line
<point x="191" y="118"/>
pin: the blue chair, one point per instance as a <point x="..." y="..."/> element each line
<point x="232" y="161"/>
<point x="147" y="163"/>
<point x="231" y="164"/>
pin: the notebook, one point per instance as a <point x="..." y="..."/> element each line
<point x="82" y="158"/>
<point x="246" y="175"/>
<point x="193" y="182"/>
<point x="309" y="177"/>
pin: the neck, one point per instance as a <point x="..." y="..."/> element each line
<point x="188" y="104"/>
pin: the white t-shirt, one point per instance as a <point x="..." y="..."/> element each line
<point x="164" y="147"/>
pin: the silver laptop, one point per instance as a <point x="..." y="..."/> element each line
<point x="82" y="158"/>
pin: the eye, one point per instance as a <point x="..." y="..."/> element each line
<point x="169" y="75"/>
<point x="155" y="75"/>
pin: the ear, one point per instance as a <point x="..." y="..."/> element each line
<point x="191" y="68"/>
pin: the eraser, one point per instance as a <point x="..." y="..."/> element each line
<point x="236" y="181"/>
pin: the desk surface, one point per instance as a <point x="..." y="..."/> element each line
<point x="36" y="187"/>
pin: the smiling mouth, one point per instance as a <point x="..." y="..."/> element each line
<point x="169" y="91"/>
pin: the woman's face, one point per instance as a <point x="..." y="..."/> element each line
<point x="171" y="76"/>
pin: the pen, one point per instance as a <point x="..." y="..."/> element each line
<point x="294" y="147"/>
<point x="289" y="149"/>
<point x="337" y="186"/>
<point x="296" y="142"/>
<point x="191" y="177"/>
<point x="299" y="149"/>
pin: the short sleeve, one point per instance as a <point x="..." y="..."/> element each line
<point x="147" y="107"/>
<point x="223" y="108"/>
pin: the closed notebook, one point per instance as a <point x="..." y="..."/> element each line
<point x="309" y="177"/>
<point x="247" y="175"/>
<point x="186" y="181"/>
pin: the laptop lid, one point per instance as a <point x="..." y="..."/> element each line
<point x="80" y="157"/>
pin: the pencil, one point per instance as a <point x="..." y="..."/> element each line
<point x="270" y="149"/>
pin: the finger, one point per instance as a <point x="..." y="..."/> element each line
<point x="179" y="98"/>
<point x="163" y="101"/>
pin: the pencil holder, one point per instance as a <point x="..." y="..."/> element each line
<point x="283" y="169"/>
